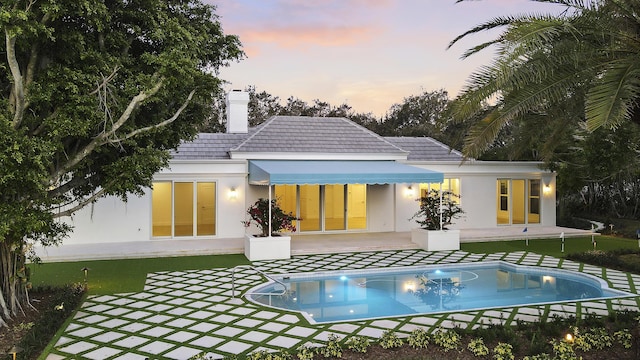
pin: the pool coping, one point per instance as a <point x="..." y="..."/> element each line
<point x="274" y="279"/>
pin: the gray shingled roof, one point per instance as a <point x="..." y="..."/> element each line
<point x="304" y="134"/>
<point x="425" y="149"/>
<point x="300" y="134"/>
<point x="208" y="146"/>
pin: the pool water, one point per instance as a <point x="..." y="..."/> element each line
<point x="365" y="294"/>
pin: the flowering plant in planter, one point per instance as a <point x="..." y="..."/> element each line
<point x="428" y="217"/>
<point x="280" y="220"/>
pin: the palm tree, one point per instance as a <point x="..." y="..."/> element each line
<point x="586" y="58"/>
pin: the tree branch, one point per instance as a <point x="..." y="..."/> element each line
<point x="79" y="205"/>
<point x="103" y="137"/>
<point x="18" y="86"/>
<point x="159" y="125"/>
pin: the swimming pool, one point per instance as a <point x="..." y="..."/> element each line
<point x="363" y="294"/>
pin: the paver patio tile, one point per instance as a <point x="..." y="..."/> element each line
<point x="108" y="337"/>
<point x="248" y="323"/>
<point x="224" y="319"/>
<point x="136" y="315"/>
<point x="273" y="327"/>
<point x="266" y="315"/>
<point x="201" y="315"/>
<point x="228" y="331"/>
<point x="179" y="311"/>
<point x="113" y="323"/>
<point x="93" y="319"/>
<point x="204" y="327"/>
<point x="180" y="323"/>
<point x="344" y="328"/>
<point x="135" y="327"/>
<point x="288" y="318"/>
<point x="131" y="341"/>
<point x="63" y="340"/>
<point x="181" y="336"/>
<point x="427" y="321"/>
<point x="156" y="331"/>
<point x="117" y="311"/>
<point x="207" y="341"/>
<point x="369" y="332"/>
<point x="79" y="347"/>
<point x="386" y="324"/>
<point x="55" y="357"/>
<point x="284" y="342"/>
<point x="242" y="311"/>
<point x="156" y="347"/>
<point x="255" y="336"/>
<point x="300" y="331"/>
<point x="159" y="307"/>
<point x="85" y="332"/>
<point x="131" y="357"/>
<point x="99" y="308"/>
<point x="182" y="352"/>
<point x="234" y="347"/>
<point x="157" y="319"/>
<point x="102" y="353"/>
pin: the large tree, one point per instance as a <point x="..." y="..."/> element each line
<point x="587" y="57"/>
<point x="93" y="95"/>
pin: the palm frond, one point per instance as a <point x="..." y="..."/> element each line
<point x="617" y="92"/>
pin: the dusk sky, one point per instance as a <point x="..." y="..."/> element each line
<point x="368" y="53"/>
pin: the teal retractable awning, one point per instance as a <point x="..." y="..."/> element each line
<point x="289" y="172"/>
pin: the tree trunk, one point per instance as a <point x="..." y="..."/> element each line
<point x="13" y="286"/>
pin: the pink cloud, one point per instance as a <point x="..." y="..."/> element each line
<point x="304" y="36"/>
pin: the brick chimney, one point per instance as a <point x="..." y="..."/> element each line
<point x="237" y="112"/>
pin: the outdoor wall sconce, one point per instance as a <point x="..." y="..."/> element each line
<point x="546" y="189"/>
<point x="233" y="193"/>
<point x="408" y="192"/>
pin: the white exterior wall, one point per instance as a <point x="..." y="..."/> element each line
<point x="478" y="197"/>
<point x="380" y="210"/>
<point x="111" y="220"/>
<point x="406" y="205"/>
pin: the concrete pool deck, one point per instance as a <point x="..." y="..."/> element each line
<point x="184" y="313"/>
<point x="300" y="244"/>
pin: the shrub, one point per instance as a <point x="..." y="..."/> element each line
<point x="447" y="340"/>
<point x="503" y="351"/>
<point x="280" y="220"/>
<point x="358" y="344"/>
<point x="390" y="340"/>
<point x="305" y="352"/>
<point x="332" y="348"/>
<point x="419" y="339"/>
<point x="477" y="347"/>
<point x="428" y="217"/>
<point x="65" y="302"/>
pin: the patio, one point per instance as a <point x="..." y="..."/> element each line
<point x="300" y="244"/>
<point x="180" y="314"/>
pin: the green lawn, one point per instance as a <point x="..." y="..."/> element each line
<point x="122" y="276"/>
<point x="551" y="247"/>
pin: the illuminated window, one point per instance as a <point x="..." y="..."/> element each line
<point x="452" y="185"/>
<point x="325" y="207"/>
<point x="518" y="201"/>
<point x="183" y="209"/>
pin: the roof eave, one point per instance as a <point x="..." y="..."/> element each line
<point x="315" y="156"/>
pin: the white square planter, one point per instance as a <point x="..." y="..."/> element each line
<point x="436" y="240"/>
<point x="267" y="248"/>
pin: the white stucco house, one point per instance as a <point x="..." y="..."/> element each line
<point x="337" y="176"/>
